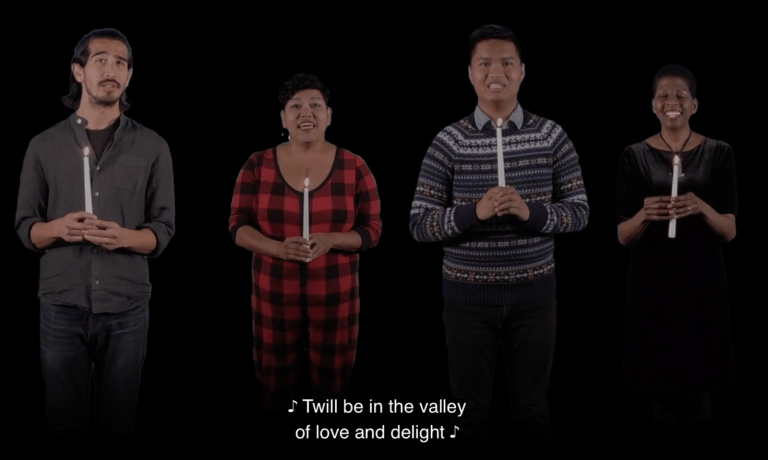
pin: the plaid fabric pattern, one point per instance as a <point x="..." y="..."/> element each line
<point x="300" y="305"/>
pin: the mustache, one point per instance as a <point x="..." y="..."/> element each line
<point x="110" y="80"/>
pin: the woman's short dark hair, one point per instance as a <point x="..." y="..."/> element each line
<point x="493" y="32"/>
<point x="301" y="82"/>
<point x="674" y="70"/>
<point x="82" y="53"/>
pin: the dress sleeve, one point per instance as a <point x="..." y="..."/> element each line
<point x="159" y="201"/>
<point x="31" y="206"/>
<point x="242" y="211"/>
<point x="726" y="196"/>
<point x="368" y="212"/>
<point x="432" y="216"/>
<point x="568" y="211"/>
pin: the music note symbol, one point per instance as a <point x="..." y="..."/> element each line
<point x="292" y="406"/>
<point x="455" y="429"/>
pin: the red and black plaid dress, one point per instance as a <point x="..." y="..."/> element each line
<point x="298" y="305"/>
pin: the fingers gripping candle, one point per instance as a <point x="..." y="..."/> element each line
<point x="675" y="174"/>
<point x="499" y="154"/>
<point x="87" y="181"/>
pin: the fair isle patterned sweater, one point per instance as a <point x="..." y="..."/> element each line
<point x="501" y="260"/>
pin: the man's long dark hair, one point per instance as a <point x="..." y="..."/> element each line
<point x="82" y="53"/>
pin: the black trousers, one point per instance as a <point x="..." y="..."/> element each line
<point x="525" y="333"/>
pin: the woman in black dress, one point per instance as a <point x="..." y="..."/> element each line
<point x="677" y="341"/>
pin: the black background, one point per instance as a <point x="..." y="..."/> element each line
<point x="207" y="82"/>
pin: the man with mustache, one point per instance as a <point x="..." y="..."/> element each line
<point x="96" y="198"/>
<point x="496" y="219"/>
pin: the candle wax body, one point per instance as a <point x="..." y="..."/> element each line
<point x="500" y="157"/>
<point x="305" y="227"/>
<point x="87" y="182"/>
<point x="675" y="173"/>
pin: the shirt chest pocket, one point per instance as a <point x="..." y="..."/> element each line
<point x="129" y="173"/>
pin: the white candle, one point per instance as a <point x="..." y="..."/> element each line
<point x="499" y="154"/>
<point x="305" y="232"/>
<point x="87" y="181"/>
<point x="675" y="174"/>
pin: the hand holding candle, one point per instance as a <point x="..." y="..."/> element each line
<point x="500" y="154"/>
<point x="87" y="181"/>
<point x="675" y="173"/>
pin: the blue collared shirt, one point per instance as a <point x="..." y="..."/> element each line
<point x="481" y="119"/>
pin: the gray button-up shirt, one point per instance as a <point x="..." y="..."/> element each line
<point x="131" y="184"/>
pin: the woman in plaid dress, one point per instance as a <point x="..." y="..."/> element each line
<point x="305" y="290"/>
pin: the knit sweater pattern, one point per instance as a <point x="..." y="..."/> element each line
<point x="501" y="260"/>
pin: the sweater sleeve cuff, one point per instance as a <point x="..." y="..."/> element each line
<point x="538" y="216"/>
<point x="364" y="236"/>
<point x="464" y="217"/>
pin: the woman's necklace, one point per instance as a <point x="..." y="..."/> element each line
<point x="678" y="153"/>
<point x="670" y="147"/>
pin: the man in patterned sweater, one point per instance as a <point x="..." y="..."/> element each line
<point x="498" y="266"/>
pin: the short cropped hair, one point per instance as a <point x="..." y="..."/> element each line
<point x="301" y="82"/>
<point x="82" y="53"/>
<point x="674" y="70"/>
<point x="492" y="32"/>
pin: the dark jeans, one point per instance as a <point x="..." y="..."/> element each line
<point x="526" y="334"/>
<point x="77" y="348"/>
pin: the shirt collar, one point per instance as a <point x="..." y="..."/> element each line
<point x="77" y="121"/>
<point x="77" y="126"/>
<point x="516" y="118"/>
